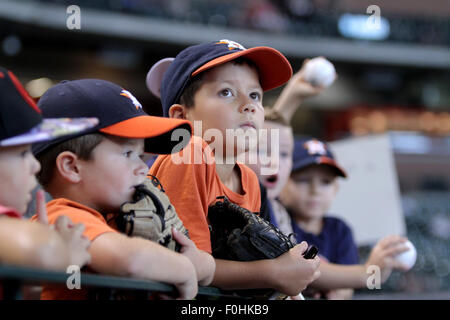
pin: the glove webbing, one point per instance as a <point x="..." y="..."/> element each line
<point x="142" y="191"/>
<point x="229" y="206"/>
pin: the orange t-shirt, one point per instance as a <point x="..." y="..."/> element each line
<point x="192" y="185"/>
<point x="95" y="224"/>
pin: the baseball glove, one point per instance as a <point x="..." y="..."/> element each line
<point x="241" y="235"/>
<point x="150" y="215"/>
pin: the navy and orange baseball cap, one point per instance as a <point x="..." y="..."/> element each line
<point x="119" y="114"/>
<point x="310" y="151"/>
<point x="273" y="67"/>
<point x="21" y="120"/>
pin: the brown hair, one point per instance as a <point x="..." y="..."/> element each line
<point x="81" y="146"/>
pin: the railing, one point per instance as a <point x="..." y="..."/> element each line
<point x="12" y="278"/>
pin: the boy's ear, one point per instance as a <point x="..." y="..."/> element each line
<point x="68" y="166"/>
<point x="177" y="111"/>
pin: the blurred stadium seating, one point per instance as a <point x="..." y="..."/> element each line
<point x="427" y="216"/>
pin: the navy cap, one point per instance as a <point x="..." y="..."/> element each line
<point x="273" y="67"/>
<point x="309" y="151"/>
<point x="118" y="111"/>
<point x="21" y="120"/>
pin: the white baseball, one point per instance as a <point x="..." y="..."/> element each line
<point x="408" y="258"/>
<point x="319" y="72"/>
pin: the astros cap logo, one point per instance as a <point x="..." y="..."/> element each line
<point x="315" y="147"/>
<point x="128" y="94"/>
<point x="231" y="44"/>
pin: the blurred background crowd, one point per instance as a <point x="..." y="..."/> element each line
<point x="393" y="79"/>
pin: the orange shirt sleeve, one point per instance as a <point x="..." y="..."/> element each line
<point x="188" y="186"/>
<point x="95" y="224"/>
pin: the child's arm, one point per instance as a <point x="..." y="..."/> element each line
<point x="335" y="276"/>
<point x="289" y="274"/>
<point x="203" y="262"/>
<point x="76" y="245"/>
<point x="117" y="254"/>
<point x="293" y="94"/>
<point x="32" y="244"/>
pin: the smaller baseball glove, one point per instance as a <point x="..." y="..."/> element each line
<point x="241" y="235"/>
<point x="150" y="215"/>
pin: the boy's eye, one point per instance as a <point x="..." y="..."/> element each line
<point x="302" y="180"/>
<point x="128" y="154"/>
<point x="25" y="152"/>
<point x="255" y="96"/>
<point x="225" y="93"/>
<point x="327" y="181"/>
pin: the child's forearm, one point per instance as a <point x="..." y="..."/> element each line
<point x="206" y="270"/>
<point x="32" y="244"/>
<point x="242" y="275"/>
<point x="334" y="276"/>
<point x="160" y="265"/>
<point x="287" y="104"/>
<point x="116" y="254"/>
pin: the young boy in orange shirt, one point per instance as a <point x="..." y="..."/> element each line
<point x="92" y="175"/>
<point x="219" y="86"/>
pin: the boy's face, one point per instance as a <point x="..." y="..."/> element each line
<point x="116" y="167"/>
<point x="229" y="98"/>
<point x="315" y="188"/>
<point x="281" y="163"/>
<point x="18" y="168"/>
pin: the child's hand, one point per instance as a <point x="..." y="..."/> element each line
<point x="383" y="255"/>
<point x="203" y="262"/>
<point x="189" y="288"/>
<point x="41" y="209"/>
<point x="293" y="273"/>
<point x="76" y="243"/>
<point x="299" y="87"/>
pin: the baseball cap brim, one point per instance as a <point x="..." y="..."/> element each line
<point x="274" y="69"/>
<point x="319" y="160"/>
<point x="51" y="129"/>
<point x="156" y="74"/>
<point x="162" y="135"/>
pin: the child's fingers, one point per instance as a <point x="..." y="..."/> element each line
<point x="180" y="238"/>
<point x="63" y="223"/>
<point x="41" y="209"/>
<point x="78" y="230"/>
<point x="302" y="247"/>
<point x="391" y="240"/>
<point x="316" y="275"/>
<point x="395" y="250"/>
<point x="305" y="62"/>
